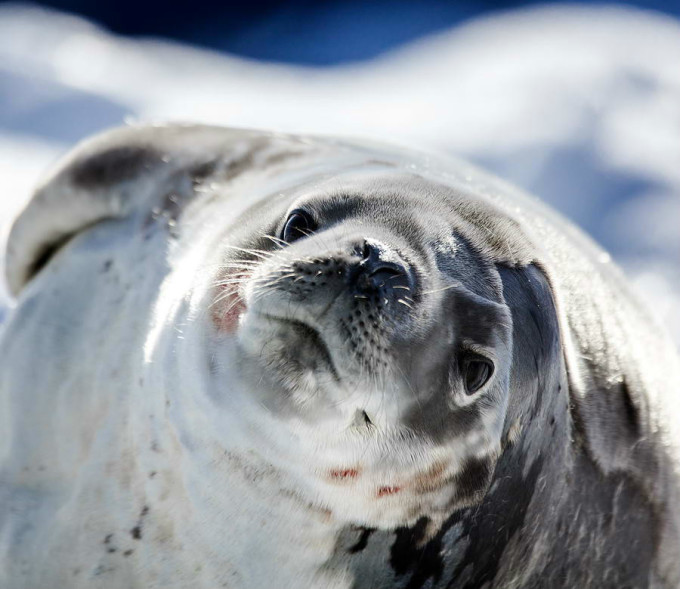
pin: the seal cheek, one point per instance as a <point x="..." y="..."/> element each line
<point x="228" y="306"/>
<point x="227" y="322"/>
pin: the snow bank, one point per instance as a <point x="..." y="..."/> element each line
<point x="580" y="105"/>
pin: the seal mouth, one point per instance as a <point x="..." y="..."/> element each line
<point x="311" y="336"/>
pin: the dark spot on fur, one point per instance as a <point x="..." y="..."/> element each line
<point x="474" y="477"/>
<point x="108" y="538"/>
<point x="213" y="366"/>
<point x="128" y="552"/>
<point x="202" y="171"/>
<point x="488" y="527"/>
<point x="489" y="533"/>
<point x="431" y="479"/>
<point x="363" y="540"/>
<point x="112" y="166"/>
<point x="136" y="532"/>
<point x="239" y="165"/>
<point x="629" y="407"/>
<point x="409" y="547"/>
<point x="171" y="206"/>
<point x="281" y="156"/>
<point x="101" y="569"/>
<point x="381" y="163"/>
<point x="107" y="265"/>
<point x="46" y="253"/>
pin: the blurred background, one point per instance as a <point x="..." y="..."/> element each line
<point x="578" y="103"/>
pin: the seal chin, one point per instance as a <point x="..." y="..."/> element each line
<point x="302" y="340"/>
<point x="292" y="353"/>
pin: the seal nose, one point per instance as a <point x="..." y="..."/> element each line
<point x="374" y="272"/>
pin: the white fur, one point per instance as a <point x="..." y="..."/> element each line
<point x="112" y="420"/>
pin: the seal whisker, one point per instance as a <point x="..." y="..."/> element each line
<point x="319" y="236"/>
<point x="244" y="264"/>
<point x="408" y="384"/>
<point x="236" y="277"/>
<point x="238" y="274"/>
<point x="225" y="293"/>
<point x="249" y="250"/>
<point x="276" y="276"/>
<point x="395" y="277"/>
<point x="280" y="278"/>
<point x="234" y="284"/>
<point x="268" y="283"/>
<point x="263" y="254"/>
<point x="277" y="240"/>
<point x="439" y="289"/>
<point x="230" y="282"/>
<point x="223" y="297"/>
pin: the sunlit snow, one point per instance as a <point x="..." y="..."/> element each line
<point x="579" y="105"/>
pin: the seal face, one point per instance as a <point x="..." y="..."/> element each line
<point x="362" y="330"/>
<point x="302" y="362"/>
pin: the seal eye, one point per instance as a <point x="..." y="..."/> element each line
<point x="477" y="370"/>
<point x="299" y="224"/>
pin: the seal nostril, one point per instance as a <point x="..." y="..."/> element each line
<point x="374" y="272"/>
<point x="385" y="273"/>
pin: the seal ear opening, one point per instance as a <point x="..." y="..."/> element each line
<point x="110" y="176"/>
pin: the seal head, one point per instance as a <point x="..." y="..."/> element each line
<point x="381" y="336"/>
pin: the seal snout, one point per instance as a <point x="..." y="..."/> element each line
<point x="326" y="283"/>
<point x="356" y="294"/>
<point x="380" y="269"/>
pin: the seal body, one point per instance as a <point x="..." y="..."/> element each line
<point x="241" y="359"/>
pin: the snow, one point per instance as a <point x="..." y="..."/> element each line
<point x="580" y="105"/>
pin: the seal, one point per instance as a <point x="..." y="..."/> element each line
<point x="244" y="359"/>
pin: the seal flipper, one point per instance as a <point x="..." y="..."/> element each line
<point x="538" y="366"/>
<point x="111" y="176"/>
